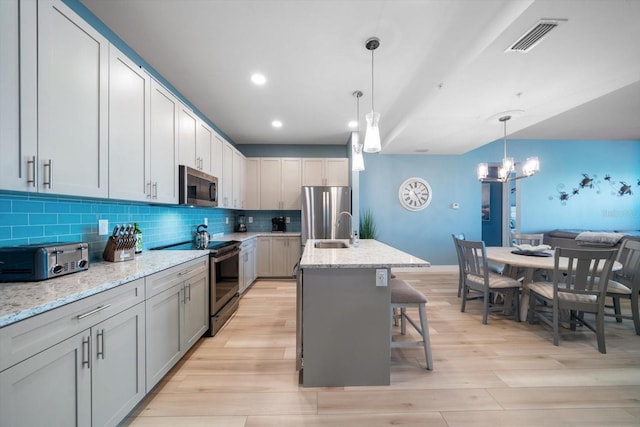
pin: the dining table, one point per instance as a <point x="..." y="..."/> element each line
<point x="529" y="263"/>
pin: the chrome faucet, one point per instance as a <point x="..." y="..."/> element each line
<point x="351" y="237"/>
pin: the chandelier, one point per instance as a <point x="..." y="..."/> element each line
<point x="505" y="172"/>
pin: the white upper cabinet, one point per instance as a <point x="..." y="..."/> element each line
<point x="280" y="183"/>
<point x="187" y="128"/>
<point x="73" y="99"/>
<point x="204" y="136"/>
<point x="252" y="187"/>
<point x="13" y="176"/>
<point x="226" y="182"/>
<point x="238" y="181"/>
<point x="337" y="172"/>
<point x="329" y="171"/>
<point x="162" y="177"/>
<point x="217" y="144"/>
<point x="129" y="128"/>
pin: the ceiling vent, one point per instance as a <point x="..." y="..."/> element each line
<point x="532" y="37"/>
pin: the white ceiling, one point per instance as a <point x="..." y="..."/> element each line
<point x="442" y="77"/>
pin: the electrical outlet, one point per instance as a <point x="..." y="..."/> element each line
<point x="226" y="220"/>
<point x="206" y="221"/>
<point x="381" y="277"/>
<point x="287" y="219"/>
<point x="250" y="220"/>
<point x="103" y="227"/>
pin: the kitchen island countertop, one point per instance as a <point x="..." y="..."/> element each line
<point x="21" y="300"/>
<point x="369" y="254"/>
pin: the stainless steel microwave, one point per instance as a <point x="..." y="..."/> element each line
<point x="196" y="187"/>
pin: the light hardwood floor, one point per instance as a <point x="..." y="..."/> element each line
<point x="500" y="374"/>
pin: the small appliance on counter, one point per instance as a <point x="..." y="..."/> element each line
<point x="278" y="224"/>
<point x="40" y="261"/>
<point x="242" y="225"/>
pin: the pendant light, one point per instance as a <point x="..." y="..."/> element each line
<point x="508" y="166"/>
<point x="357" y="160"/>
<point x="372" y="136"/>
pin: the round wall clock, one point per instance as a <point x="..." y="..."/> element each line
<point x="414" y="194"/>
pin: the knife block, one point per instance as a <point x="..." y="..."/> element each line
<point x="116" y="255"/>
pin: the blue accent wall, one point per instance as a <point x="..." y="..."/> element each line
<point x="426" y="233"/>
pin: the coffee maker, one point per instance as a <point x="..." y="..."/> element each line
<point x="278" y="224"/>
<point x="242" y="226"/>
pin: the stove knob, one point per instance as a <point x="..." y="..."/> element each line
<point x="82" y="263"/>
<point x="57" y="269"/>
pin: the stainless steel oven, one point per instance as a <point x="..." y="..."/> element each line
<point x="225" y="284"/>
<point x="224" y="280"/>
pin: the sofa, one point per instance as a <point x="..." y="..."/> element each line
<point x="588" y="239"/>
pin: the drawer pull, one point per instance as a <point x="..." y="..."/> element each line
<point x="182" y="273"/>
<point x="92" y="312"/>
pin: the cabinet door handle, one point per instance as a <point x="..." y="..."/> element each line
<point x="92" y="312"/>
<point x="31" y="171"/>
<point x="155" y="190"/>
<point x="100" y="344"/>
<point x="86" y="352"/>
<point x="148" y="189"/>
<point x="46" y="170"/>
<point x="188" y="286"/>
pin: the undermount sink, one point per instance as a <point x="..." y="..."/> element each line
<point x="330" y="244"/>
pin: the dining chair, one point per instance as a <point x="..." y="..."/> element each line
<point x="456" y="237"/>
<point x="527" y="239"/>
<point x="625" y="283"/>
<point x="533" y="239"/>
<point x="579" y="289"/>
<point x="481" y="283"/>
<point x="404" y="296"/>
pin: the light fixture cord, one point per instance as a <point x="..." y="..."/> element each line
<point x="372" y="106"/>
<point x="505" y="139"/>
<point x="358" y="114"/>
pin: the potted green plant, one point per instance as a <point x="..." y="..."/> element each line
<point x="367" y="226"/>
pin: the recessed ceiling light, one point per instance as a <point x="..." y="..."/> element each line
<point x="258" y="79"/>
<point x="353" y="124"/>
<point x="276" y="124"/>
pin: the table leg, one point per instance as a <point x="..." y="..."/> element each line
<point x="524" y="299"/>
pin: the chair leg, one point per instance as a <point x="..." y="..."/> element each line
<point x="465" y="292"/>
<point x="600" y="332"/>
<point x="635" y="311"/>
<point x="516" y="303"/>
<point x="616" y="309"/>
<point x="556" y="325"/>
<point x="460" y="284"/>
<point x="395" y="316"/>
<point x="531" y="315"/>
<point x="424" y="324"/>
<point x="485" y="307"/>
<point x="403" y="320"/>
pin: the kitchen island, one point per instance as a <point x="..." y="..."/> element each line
<point x="343" y="304"/>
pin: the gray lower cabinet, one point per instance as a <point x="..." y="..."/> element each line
<point x="177" y="313"/>
<point x="94" y="377"/>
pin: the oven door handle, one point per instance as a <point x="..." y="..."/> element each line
<point x="226" y="256"/>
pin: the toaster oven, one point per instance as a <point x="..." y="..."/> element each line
<point x="40" y="261"/>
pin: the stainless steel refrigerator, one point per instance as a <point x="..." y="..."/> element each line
<point x="321" y="208"/>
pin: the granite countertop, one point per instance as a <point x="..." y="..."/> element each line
<point x="370" y="254"/>
<point x="20" y="300"/>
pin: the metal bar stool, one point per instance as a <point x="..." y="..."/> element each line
<point x="403" y="296"/>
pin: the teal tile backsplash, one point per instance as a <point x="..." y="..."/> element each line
<point x="33" y="218"/>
